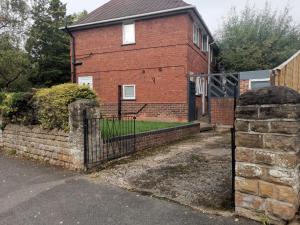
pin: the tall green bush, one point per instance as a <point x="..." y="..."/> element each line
<point x="47" y="107"/>
<point x="52" y="104"/>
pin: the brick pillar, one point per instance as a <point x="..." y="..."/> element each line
<point x="267" y="169"/>
<point x="77" y="128"/>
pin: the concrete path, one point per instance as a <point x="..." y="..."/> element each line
<point x="33" y="194"/>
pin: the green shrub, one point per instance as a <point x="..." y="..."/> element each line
<point x="2" y="97"/>
<point x="17" y="107"/>
<point x="52" y="104"/>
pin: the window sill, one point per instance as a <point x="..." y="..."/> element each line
<point x="128" y="44"/>
<point x="197" y="46"/>
<point x="129" y="100"/>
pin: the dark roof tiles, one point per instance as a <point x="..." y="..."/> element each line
<point x="123" y="8"/>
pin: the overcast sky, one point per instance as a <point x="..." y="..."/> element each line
<point x="211" y="10"/>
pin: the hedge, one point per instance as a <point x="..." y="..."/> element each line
<point x="47" y="107"/>
<point x="17" y="108"/>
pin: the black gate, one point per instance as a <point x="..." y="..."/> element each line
<point x="233" y="145"/>
<point x="192" y="101"/>
<point x="108" y="138"/>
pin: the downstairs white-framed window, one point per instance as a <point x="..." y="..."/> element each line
<point x="86" y="80"/>
<point x="129" y="92"/>
<point x="255" y="84"/>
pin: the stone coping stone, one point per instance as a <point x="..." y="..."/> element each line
<point x="270" y="95"/>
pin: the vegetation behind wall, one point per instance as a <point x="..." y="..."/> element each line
<point x="47" y="107"/>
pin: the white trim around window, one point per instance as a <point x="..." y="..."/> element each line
<point x="128" y="30"/>
<point x="205" y="43"/>
<point x="86" y="80"/>
<point x="258" y="80"/>
<point x="130" y="96"/>
<point x="196" y="35"/>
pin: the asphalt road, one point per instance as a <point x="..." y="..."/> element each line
<point x="34" y="194"/>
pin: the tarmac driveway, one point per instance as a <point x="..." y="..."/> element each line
<point x="34" y="194"/>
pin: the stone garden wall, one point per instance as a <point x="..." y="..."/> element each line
<point x="267" y="154"/>
<point x="59" y="148"/>
<point x="66" y="148"/>
<point x="33" y="142"/>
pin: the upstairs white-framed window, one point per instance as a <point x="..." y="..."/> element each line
<point x="205" y="41"/>
<point x="196" y="35"/>
<point x="129" y="92"/>
<point x="86" y="80"/>
<point x="128" y="33"/>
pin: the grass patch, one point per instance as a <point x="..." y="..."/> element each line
<point x="114" y="128"/>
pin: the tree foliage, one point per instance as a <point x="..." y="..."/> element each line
<point x="48" y="46"/>
<point x="13" y="16"/>
<point x="257" y="39"/>
<point x="14" y="62"/>
<point x="78" y="16"/>
<point x="33" y="51"/>
<point x="14" y="66"/>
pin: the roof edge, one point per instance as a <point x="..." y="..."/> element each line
<point x="127" y="17"/>
<point x="280" y="67"/>
<point x="203" y="22"/>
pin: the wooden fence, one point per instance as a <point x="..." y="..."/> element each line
<point x="288" y="73"/>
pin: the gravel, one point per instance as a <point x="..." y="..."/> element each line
<point x="194" y="172"/>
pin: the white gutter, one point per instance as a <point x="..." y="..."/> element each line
<point x="202" y="21"/>
<point x="130" y="17"/>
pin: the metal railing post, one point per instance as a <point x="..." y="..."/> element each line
<point x="134" y="135"/>
<point x="233" y="145"/>
<point x="85" y="138"/>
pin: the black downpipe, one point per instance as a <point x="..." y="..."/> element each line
<point x="73" y="77"/>
<point x="119" y="102"/>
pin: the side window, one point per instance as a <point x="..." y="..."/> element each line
<point x="128" y="33"/>
<point x="259" y="83"/>
<point x="86" y="80"/>
<point x="196" y="35"/>
<point x="129" y="92"/>
<point x="205" y="43"/>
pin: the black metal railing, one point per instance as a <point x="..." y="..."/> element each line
<point x="223" y="85"/>
<point x="107" y="138"/>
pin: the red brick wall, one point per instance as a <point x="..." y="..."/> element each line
<point x="151" y="111"/>
<point x="151" y="139"/>
<point x="244" y="86"/>
<point x="157" y="64"/>
<point x="222" y="111"/>
<point x="197" y="60"/>
<point x="161" y="137"/>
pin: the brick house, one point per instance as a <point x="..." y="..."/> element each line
<point x="145" y="48"/>
<point x="253" y="80"/>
